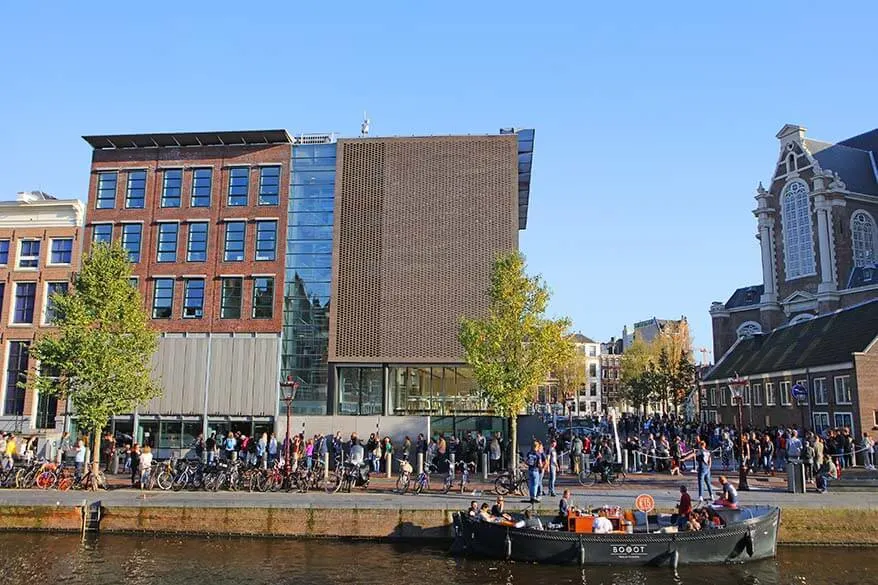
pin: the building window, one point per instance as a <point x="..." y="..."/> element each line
<point x="4" y="251"/>
<point x="797" y="237"/>
<point x="193" y="298"/>
<point x="167" y="244"/>
<point x="770" y="397"/>
<point x="263" y="297"/>
<point x="801" y="318"/>
<point x="821" y="422"/>
<point x="29" y="254"/>
<point x="163" y="298"/>
<point x="592" y="351"/>
<point x="592" y="370"/>
<point x="234" y="245"/>
<point x="239" y="185"/>
<point x="757" y="394"/>
<point x="593" y="389"/>
<point x="803" y="384"/>
<point x="361" y="391"/>
<point x="106" y="198"/>
<point x="102" y="232"/>
<point x="723" y="396"/>
<point x="135" y="196"/>
<point x="47" y="404"/>
<point x="843" y="420"/>
<point x="25" y="296"/>
<point x="266" y="240"/>
<point x="821" y="396"/>
<point x="230" y="300"/>
<point x="51" y="289"/>
<point x="863" y="237"/>
<point x="842" y="389"/>
<point x="196" y="245"/>
<point x="16" y="371"/>
<point x="749" y="329"/>
<point x="131" y="235"/>
<point x="61" y="251"/>
<point x="785" y="395"/>
<point x="2" y="296"/>
<point x="201" y="185"/>
<point x="746" y="396"/>
<point x="172" y="184"/>
<point x="713" y="396"/>
<point x="269" y="185"/>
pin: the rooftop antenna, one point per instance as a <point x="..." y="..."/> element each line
<point x="364" y="127"/>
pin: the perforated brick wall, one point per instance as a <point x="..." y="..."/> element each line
<point x="418" y="225"/>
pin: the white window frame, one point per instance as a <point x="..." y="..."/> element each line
<point x="723" y="394"/>
<point x="712" y="395"/>
<point x="786" y="397"/>
<point x="746" y="395"/>
<point x="49" y="251"/>
<point x="748" y="329"/>
<point x="819" y="428"/>
<point x="19" y="256"/>
<point x="845" y="389"/>
<point x="798" y="263"/>
<point x="843" y="413"/>
<point x="804" y="384"/>
<point x="865" y="257"/>
<point x="824" y="393"/>
<point x="770" y="396"/>
<point x="757" y="394"/>
<point x="45" y="308"/>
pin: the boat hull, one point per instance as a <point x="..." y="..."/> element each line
<point x="749" y="535"/>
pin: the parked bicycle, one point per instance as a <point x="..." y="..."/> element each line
<point x="465" y="470"/>
<point x="422" y="483"/>
<point x="612" y="474"/>
<point x="511" y="481"/>
<point x="405" y="476"/>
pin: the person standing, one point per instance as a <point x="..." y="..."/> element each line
<point x="868" y="447"/>
<point x="532" y="459"/>
<point x="134" y="455"/>
<point x="199" y="447"/>
<point x="262" y="451"/>
<point x="79" y="460"/>
<point x="406" y="448"/>
<point x="494" y="454"/>
<point x="704" y="460"/>
<point x="552" y="461"/>
<point x="229" y="447"/>
<point x="210" y="447"/>
<point x="63" y="448"/>
<point x="145" y="467"/>
<point x="576" y="458"/>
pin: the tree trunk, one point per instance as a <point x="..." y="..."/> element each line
<point x="512" y="463"/>
<point x="95" y="460"/>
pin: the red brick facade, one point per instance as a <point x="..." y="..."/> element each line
<point x="221" y="159"/>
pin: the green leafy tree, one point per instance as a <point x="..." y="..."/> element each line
<point x="100" y="353"/>
<point x="515" y="347"/>
<point x="639" y="380"/>
<point x="571" y="374"/>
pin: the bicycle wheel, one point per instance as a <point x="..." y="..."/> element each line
<point x="616" y="478"/>
<point x="449" y="481"/>
<point x="402" y="484"/>
<point x="65" y="484"/>
<point x="20" y="478"/>
<point x="421" y="485"/>
<point x="584" y="478"/>
<point x="333" y="483"/>
<point x="220" y="481"/>
<point x="595" y="478"/>
<point x="464" y="484"/>
<point x="164" y="480"/>
<point x="46" y="479"/>
<point x="501" y="485"/>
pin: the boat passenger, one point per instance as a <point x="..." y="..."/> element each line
<point x="602" y="524"/>
<point x="692" y="523"/>
<point x="563" y="508"/>
<point x="729" y="497"/>
<point x="473" y="509"/>
<point x="531" y="521"/>
<point x="498" y="511"/>
<point x="485" y="515"/>
<point x="684" y="508"/>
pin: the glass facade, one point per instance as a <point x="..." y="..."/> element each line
<point x="308" y="275"/>
<point x="435" y="390"/>
<point x="360" y="390"/>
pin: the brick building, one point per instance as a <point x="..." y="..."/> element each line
<point x="203" y="216"/>
<point x="833" y="356"/>
<point x="817" y="233"/>
<point x="611" y="374"/>
<point x="40" y="243"/>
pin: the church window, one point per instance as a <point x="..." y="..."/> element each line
<point x="797" y="236"/>
<point x="863" y="236"/>
<point x="749" y="329"/>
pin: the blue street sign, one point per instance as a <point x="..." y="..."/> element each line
<point x="799" y="392"/>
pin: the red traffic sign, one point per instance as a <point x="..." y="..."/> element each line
<point x="645" y="503"/>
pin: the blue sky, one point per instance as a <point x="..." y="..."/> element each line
<point x="654" y="120"/>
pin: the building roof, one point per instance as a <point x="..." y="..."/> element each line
<point x="824" y="340"/>
<point x="745" y="296"/>
<point x="178" y="139"/>
<point x="853" y="164"/>
<point x="580" y="338"/>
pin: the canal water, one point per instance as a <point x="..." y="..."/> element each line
<point x="29" y="558"/>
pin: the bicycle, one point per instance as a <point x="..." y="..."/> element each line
<point x="511" y="481"/>
<point x="405" y="476"/>
<point x="423" y="480"/>
<point x="611" y="474"/>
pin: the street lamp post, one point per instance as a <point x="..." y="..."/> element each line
<point x="288" y="392"/>
<point x="737" y="385"/>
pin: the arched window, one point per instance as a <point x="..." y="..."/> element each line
<point x="863" y="236"/>
<point x="798" y="243"/>
<point x="801" y="318"/>
<point x="749" y="329"/>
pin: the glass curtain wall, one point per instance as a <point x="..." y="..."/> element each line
<point x="360" y="390"/>
<point x="308" y="276"/>
<point x="435" y="390"/>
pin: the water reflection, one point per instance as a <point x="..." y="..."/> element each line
<point x="27" y="558"/>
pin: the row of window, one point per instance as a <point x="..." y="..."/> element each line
<point x="821" y="420"/>
<point x="60" y="252"/>
<point x="755" y="393"/>
<point x="24" y="301"/>
<point x="196" y="240"/>
<point x="231" y="297"/>
<point x="200" y="194"/>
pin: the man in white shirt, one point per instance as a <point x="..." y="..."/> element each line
<point x="602" y="525"/>
<point x="794" y="446"/>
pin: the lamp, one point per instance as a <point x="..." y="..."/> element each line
<point x="288" y="392"/>
<point x="736" y="386"/>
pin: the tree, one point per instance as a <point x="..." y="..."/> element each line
<point x="675" y="363"/>
<point x="100" y="353"/>
<point x="639" y="378"/>
<point x="515" y="347"/>
<point x="571" y="374"/>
